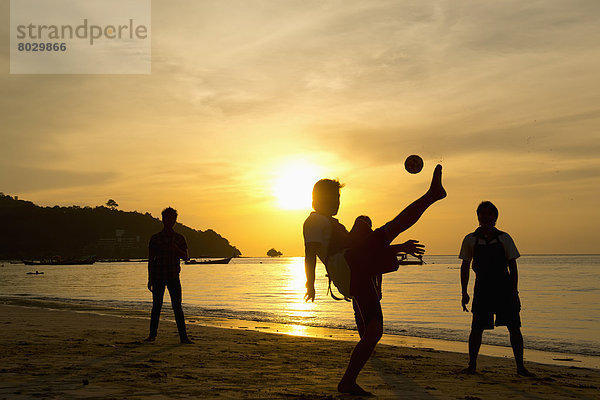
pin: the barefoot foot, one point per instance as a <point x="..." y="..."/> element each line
<point x="436" y="190"/>
<point x="150" y="339"/>
<point x="470" y="370"/>
<point x="353" y="389"/>
<point x="525" y="372"/>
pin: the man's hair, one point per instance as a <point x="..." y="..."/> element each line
<point x="487" y="205"/>
<point x="324" y="189"/>
<point x="169" y="211"/>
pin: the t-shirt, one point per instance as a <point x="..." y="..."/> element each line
<point x="468" y="246"/>
<point x="163" y="261"/>
<point x="317" y="229"/>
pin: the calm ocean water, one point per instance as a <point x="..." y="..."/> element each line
<point x="560" y="296"/>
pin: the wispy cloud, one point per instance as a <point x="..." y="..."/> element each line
<point x="25" y="179"/>
<point x="237" y="84"/>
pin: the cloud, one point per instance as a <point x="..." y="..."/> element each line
<point x="236" y="84"/>
<point x="15" y="179"/>
<point x="564" y="137"/>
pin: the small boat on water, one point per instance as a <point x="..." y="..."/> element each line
<point x="403" y="260"/>
<point x="219" y="261"/>
<point x="35" y="273"/>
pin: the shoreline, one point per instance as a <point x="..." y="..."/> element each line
<point x="77" y="354"/>
<point x="531" y="355"/>
<point x="535" y="356"/>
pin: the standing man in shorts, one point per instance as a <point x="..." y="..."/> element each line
<point x="494" y="256"/>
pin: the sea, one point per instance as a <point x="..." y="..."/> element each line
<point x="560" y="296"/>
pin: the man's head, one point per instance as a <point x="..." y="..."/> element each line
<point x="169" y="217"/>
<point x="326" y="196"/>
<point x="365" y="220"/>
<point x="487" y="214"/>
<point x="361" y="228"/>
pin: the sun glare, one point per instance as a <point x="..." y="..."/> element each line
<point x="293" y="186"/>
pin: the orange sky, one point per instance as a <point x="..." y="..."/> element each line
<point x="245" y="95"/>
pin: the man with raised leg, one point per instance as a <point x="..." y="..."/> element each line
<point x="352" y="266"/>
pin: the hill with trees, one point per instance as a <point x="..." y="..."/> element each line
<point x="33" y="232"/>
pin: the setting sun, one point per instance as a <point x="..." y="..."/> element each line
<point x="293" y="186"/>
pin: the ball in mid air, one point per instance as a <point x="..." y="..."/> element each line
<point x="413" y="164"/>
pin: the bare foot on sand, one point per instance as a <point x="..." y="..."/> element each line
<point x="353" y="389"/>
<point x="525" y="372"/>
<point x="186" y="341"/>
<point x="470" y="370"/>
<point x="150" y="339"/>
<point x="436" y="190"/>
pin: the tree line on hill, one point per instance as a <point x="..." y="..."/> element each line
<point x="32" y="232"/>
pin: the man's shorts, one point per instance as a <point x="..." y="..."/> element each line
<point x="485" y="320"/>
<point x="368" y="303"/>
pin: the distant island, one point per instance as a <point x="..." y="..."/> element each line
<point x="274" y="253"/>
<point x="31" y="232"/>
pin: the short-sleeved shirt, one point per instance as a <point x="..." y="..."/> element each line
<point x="468" y="246"/>
<point x="493" y="290"/>
<point x="163" y="261"/>
<point x="318" y="229"/>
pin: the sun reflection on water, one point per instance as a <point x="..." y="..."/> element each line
<point x="296" y="330"/>
<point x="295" y="280"/>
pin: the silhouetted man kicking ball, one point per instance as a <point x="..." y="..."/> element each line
<point x="352" y="264"/>
<point x="166" y="249"/>
<point x="494" y="256"/>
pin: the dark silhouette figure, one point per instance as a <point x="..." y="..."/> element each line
<point x="352" y="264"/>
<point x="360" y="230"/>
<point x="494" y="256"/>
<point x="166" y="249"/>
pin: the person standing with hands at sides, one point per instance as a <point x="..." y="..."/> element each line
<point x="494" y="256"/>
<point x="166" y="249"/>
<point x="352" y="264"/>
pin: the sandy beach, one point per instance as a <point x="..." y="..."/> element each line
<point x="69" y="354"/>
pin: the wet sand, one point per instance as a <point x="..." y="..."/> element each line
<point x="68" y="354"/>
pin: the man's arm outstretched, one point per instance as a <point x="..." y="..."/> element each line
<point x="412" y="247"/>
